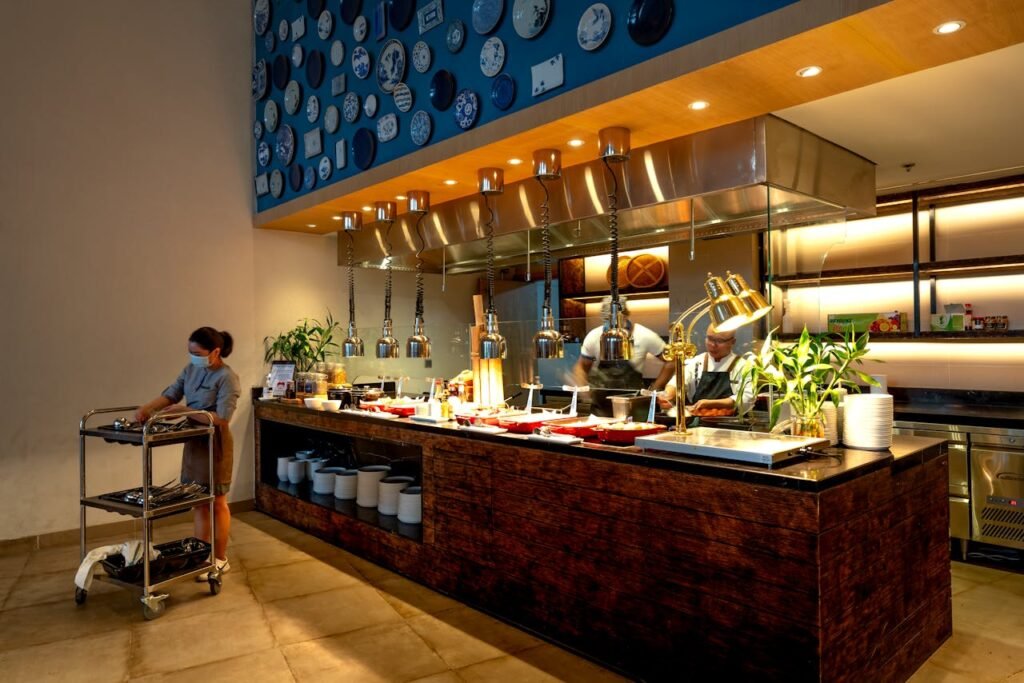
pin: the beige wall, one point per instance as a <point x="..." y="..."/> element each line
<point x="125" y="223"/>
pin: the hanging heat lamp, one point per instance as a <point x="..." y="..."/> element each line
<point x="491" y="181"/>
<point x="418" y="345"/>
<point x="547" y="342"/>
<point x="352" y="347"/>
<point x="387" y="345"/>
<point x="613" y="147"/>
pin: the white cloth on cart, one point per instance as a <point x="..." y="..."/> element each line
<point x="130" y="550"/>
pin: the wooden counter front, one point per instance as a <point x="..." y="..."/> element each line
<point x="660" y="573"/>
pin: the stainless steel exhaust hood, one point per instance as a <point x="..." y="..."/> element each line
<point x="743" y="177"/>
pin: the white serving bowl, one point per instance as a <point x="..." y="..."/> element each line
<point x="333" y="406"/>
<point x="314" y="403"/>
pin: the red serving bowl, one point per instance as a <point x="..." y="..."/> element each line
<point x="574" y="426"/>
<point x="523" y="424"/>
<point x="403" y="410"/>
<point x="618" y="434"/>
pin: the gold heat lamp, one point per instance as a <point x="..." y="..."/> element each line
<point x="418" y="344"/>
<point x="547" y="342"/>
<point x="491" y="181"/>
<point x="387" y="345"/>
<point x="615" y="344"/>
<point x="352" y="347"/>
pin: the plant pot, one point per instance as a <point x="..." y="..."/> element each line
<point x="808" y="425"/>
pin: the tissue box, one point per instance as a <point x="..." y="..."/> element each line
<point x="943" y="322"/>
<point x="879" y="323"/>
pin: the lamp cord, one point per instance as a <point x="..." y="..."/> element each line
<point x="387" y="276"/>
<point x="489" y="232"/>
<point x="351" y="280"/>
<point x="545" y="239"/>
<point x="419" y="266"/>
<point x="613" y="232"/>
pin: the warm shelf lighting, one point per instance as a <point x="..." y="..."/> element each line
<point x="948" y="27"/>
<point x="400" y="197"/>
<point x="336" y="218"/>
<point x="514" y="161"/>
<point x="451" y="182"/>
<point x="367" y="208"/>
<point x="699" y="105"/>
<point x="310" y="225"/>
<point x="809" y="71"/>
<point x="575" y="142"/>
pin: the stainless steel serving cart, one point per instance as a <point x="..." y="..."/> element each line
<point x="156" y="431"/>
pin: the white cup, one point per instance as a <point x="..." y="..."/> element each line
<point x="410" y="505"/>
<point x="296" y="471"/>
<point x="304" y="455"/>
<point x="312" y="465"/>
<point x="323" y="480"/>
<point x="345" y="484"/>
<point x="366" y="484"/>
<point x="387" y="493"/>
<point x="282" y="467"/>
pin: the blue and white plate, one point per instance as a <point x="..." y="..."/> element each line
<point x="312" y="108"/>
<point x="337" y="52"/>
<point x="360" y="62"/>
<point x="257" y="129"/>
<point x="403" y="97"/>
<point x="350" y="107"/>
<point x="364" y="148"/>
<point x="271" y="115"/>
<point x="529" y="17"/>
<point x="370" y="105"/>
<point x="263" y="153"/>
<point x="259" y="80"/>
<point x="487" y="15"/>
<point x="420" y="128"/>
<point x="359" y="29"/>
<point x="282" y="30"/>
<point x="492" y="56"/>
<point x="332" y="119"/>
<point x="390" y="65"/>
<point x="324" y="168"/>
<point x="276" y="183"/>
<point x="292" y="96"/>
<point x="297" y="55"/>
<point x="503" y="91"/>
<point x="285" y="147"/>
<point x="325" y="25"/>
<point x="269" y="41"/>
<point x="467" y="108"/>
<point x="421" y="57"/>
<point x="310" y="178"/>
<point x="455" y="36"/>
<point x="429" y="16"/>
<point x="262" y="184"/>
<point x="594" y="26"/>
<point x="387" y="128"/>
<point x="261" y="16"/>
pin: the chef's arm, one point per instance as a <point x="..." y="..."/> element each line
<point x="714" y="404"/>
<point x="582" y="370"/>
<point x="143" y="412"/>
<point x="667" y="371"/>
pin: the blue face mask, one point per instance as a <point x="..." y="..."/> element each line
<point x="199" y="361"/>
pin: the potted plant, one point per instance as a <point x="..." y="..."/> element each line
<point x="306" y="344"/>
<point x="808" y="373"/>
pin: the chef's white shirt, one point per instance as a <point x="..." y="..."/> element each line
<point x="645" y="341"/>
<point x="694" y="369"/>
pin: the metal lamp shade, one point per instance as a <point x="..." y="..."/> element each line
<point x="755" y="304"/>
<point x="727" y="313"/>
<point x="418" y="344"/>
<point x="616" y="343"/>
<point x="492" y="344"/>
<point x="547" y="342"/>
<point x="387" y="345"/>
<point x="352" y="347"/>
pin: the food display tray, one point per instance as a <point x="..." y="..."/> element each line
<point x="730" y="444"/>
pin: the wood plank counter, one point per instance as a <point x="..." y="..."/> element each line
<point x="835" y="568"/>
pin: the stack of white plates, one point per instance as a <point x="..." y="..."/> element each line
<point x="867" y="421"/>
<point x="831" y="415"/>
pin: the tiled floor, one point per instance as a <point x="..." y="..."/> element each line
<point x="296" y="609"/>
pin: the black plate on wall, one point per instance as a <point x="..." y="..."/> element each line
<point x="295" y="175"/>
<point x="315" y="68"/>
<point x="350" y="10"/>
<point x="282" y="72"/>
<point x="315" y="7"/>
<point x="364" y="148"/>
<point x="442" y="89"/>
<point x="400" y="13"/>
<point x="649" y="20"/>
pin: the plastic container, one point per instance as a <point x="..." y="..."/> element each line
<point x="176" y="557"/>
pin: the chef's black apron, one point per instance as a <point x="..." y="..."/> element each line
<point x="614" y="374"/>
<point x="712" y="385"/>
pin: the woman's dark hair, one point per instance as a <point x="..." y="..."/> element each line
<point x="210" y="339"/>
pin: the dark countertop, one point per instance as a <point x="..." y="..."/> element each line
<point x="1001" y="416"/>
<point x="827" y="467"/>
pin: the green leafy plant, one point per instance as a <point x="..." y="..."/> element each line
<point x="808" y="372"/>
<point x="306" y="344"/>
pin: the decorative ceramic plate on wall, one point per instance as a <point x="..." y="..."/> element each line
<point x="257" y="129"/>
<point x="276" y="183"/>
<point x="295" y="177"/>
<point x="312" y="108"/>
<point x="403" y="97"/>
<point x="400" y="13"/>
<point x="455" y="36"/>
<point x="315" y="68"/>
<point x="282" y="30"/>
<point x="442" y="89"/>
<point x="271" y="115"/>
<point x="259" y="80"/>
<point x="332" y="119"/>
<point x="594" y="27"/>
<point x="649" y="20"/>
<point x="364" y="148"/>
<point x="269" y="41"/>
<point x="503" y="91"/>
<point x="370" y="105"/>
<point x="529" y="17"/>
<point x="467" y="108"/>
<point x="337" y="52"/>
<point x="350" y="107"/>
<point x="309" y="178"/>
<point x="297" y="55"/>
<point x="263" y="154"/>
<point x="387" y="128"/>
<point x="360" y="28"/>
<point x="282" y="72"/>
<point x="420" y="128"/>
<point x="285" y="147"/>
<point x="261" y="16"/>
<point x="324" y="168"/>
<point x="315" y="7"/>
<point x="360" y="62"/>
<point x="487" y="15"/>
<point x="292" y="96"/>
<point x="390" y="65"/>
<point x="325" y="25"/>
<point x="421" y="57"/>
<point x="492" y="56"/>
<point x="350" y="10"/>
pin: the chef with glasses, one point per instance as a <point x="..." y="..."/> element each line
<point x="713" y="379"/>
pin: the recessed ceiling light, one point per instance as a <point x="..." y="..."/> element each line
<point x="514" y="162"/>
<point x="698" y="105"/>
<point x="337" y="218"/>
<point x="450" y="182"/>
<point x="809" y="71"/>
<point x="575" y="142"/>
<point x="948" y="27"/>
<point x="310" y="225"/>
<point x="367" y="208"/>
<point x="400" y="197"/>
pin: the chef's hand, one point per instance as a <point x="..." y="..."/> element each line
<point x="141" y="414"/>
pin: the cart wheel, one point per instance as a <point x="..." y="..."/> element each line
<point x="154" y="612"/>
<point x="80" y="596"/>
<point x="215" y="584"/>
